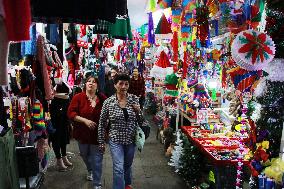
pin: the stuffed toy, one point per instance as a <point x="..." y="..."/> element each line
<point x="169" y="137"/>
<point x="235" y="103"/>
<point x="169" y="150"/>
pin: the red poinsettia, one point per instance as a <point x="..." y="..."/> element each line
<point x="255" y="46"/>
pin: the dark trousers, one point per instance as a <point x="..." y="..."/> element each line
<point x="59" y="149"/>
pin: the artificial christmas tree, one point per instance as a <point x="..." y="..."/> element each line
<point x="177" y="153"/>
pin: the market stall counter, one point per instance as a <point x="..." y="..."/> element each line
<point x="221" y="151"/>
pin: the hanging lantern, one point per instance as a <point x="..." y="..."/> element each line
<point x="253" y="50"/>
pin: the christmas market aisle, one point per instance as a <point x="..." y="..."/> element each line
<point x="150" y="170"/>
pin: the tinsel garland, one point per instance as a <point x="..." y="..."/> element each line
<point x="175" y="46"/>
<point x="239" y="180"/>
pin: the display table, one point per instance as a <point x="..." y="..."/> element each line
<point x="221" y="152"/>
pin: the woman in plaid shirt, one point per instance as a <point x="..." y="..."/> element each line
<point x="123" y="112"/>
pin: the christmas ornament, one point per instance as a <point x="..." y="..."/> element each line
<point x="252" y="50"/>
<point x="245" y="81"/>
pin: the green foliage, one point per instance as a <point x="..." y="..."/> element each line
<point x="251" y="107"/>
<point x="272" y="114"/>
<point x="192" y="163"/>
<point x="275" y="28"/>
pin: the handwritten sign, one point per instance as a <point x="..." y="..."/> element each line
<point x="202" y="116"/>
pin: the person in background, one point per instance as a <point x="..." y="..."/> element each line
<point x="84" y="111"/>
<point x="137" y="87"/>
<point x="109" y="85"/>
<point x="61" y="137"/>
<point x="123" y="112"/>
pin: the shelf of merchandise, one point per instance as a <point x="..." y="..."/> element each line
<point x="193" y="121"/>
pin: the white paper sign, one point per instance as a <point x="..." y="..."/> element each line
<point x="202" y="116"/>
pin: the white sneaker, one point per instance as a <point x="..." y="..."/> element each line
<point x="98" y="187"/>
<point x="90" y="176"/>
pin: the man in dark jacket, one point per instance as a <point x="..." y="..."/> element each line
<point x="137" y="87"/>
<point x="109" y="86"/>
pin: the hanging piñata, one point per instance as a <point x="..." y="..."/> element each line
<point x="245" y="81"/>
<point x="253" y="50"/>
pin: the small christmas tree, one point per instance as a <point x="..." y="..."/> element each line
<point x="177" y="153"/>
<point x="272" y="115"/>
<point x="191" y="163"/>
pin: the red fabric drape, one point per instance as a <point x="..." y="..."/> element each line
<point x="17" y="19"/>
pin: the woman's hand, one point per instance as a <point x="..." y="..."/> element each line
<point x="136" y="108"/>
<point x="90" y="124"/>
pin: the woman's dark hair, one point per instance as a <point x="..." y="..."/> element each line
<point x="98" y="93"/>
<point x="121" y="77"/>
<point x="96" y="80"/>
<point x="115" y="68"/>
<point x="62" y="88"/>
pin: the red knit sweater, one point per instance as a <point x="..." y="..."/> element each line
<point x="81" y="106"/>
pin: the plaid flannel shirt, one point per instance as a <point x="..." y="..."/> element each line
<point x="121" y="131"/>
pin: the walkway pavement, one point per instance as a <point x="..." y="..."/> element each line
<point x="150" y="170"/>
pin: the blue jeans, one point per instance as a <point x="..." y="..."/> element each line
<point x="93" y="159"/>
<point x="122" y="157"/>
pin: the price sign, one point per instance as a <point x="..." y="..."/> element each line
<point x="202" y="116"/>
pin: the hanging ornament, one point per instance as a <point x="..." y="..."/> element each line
<point x="185" y="26"/>
<point x="152" y="5"/>
<point x="213" y="7"/>
<point x="163" y="27"/>
<point x="108" y="43"/>
<point x="185" y="64"/>
<point x="163" y="61"/>
<point x="165" y="3"/>
<point x="143" y="30"/>
<point x="253" y="50"/>
<point x="151" y="34"/>
<point x="175" y="46"/>
<point x="202" y="16"/>
<point x="245" y="81"/>
<point x="118" y="53"/>
<point x="162" y="67"/>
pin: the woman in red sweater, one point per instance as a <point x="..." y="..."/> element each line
<point x="84" y="111"/>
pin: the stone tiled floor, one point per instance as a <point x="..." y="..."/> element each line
<point x="150" y="170"/>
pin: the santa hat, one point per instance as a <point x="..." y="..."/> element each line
<point x="163" y="61"/>
<point x="163" y="27"/>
